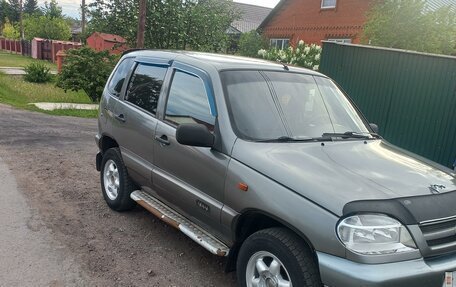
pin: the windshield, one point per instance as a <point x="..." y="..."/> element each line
<point x="268" y="105"/>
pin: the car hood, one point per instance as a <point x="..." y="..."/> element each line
<point x="335" y="173"/>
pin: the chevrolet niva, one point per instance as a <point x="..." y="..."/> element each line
<point x="275" y="168"/>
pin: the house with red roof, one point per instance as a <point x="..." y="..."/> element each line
<point x="314" y="21"/>
<point x="115" y="44"/>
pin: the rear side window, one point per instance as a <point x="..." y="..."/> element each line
<point x="145" y="86"/>
<point x="117" y="80"/>
<point x="188" y="101"/>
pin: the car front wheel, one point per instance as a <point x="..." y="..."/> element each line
<point x="276" y="257"/>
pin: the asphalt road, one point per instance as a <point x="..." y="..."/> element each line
<point x="56" y="230"/>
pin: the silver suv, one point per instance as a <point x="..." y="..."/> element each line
<point x="275" y="168"/>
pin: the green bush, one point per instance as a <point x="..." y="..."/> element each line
<point x="88" y="70"/>
<point x="304" y="55"/>
<point x="37" y="73"/>
<point x="250" y="43"/>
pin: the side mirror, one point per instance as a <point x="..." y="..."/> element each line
<point x="194" y="135"/>
<point x="374" y="127"/>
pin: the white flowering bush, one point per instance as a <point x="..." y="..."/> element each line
<point x="304" y="55"/>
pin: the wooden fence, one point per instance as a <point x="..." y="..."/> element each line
<point x="38" y="48"/>
<point x="13" y="46"/>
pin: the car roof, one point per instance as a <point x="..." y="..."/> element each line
<point x="218" y="61"/>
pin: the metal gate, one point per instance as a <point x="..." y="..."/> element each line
<point x="45" y="52"/>
<point x="26" y="47"/>
<point x="411" y="96"/>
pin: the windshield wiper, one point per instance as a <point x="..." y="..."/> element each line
<point x="287" y="139"/>
<point x="324" y="137"/>
<point x="346" y="135"/>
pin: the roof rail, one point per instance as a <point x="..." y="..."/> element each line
<point x="132" y="50"/>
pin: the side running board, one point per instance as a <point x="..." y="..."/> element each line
<point x="177" y="221"/>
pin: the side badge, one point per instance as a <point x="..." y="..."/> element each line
<point x="203" y="206"/>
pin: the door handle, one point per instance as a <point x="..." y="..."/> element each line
<point x="163" y="140"/>
<point x="120" y="118"/>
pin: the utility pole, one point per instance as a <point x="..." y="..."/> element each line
<point x="20" y="19"/>
<point x="83" y="17"/>
<point x="141" y="24"/>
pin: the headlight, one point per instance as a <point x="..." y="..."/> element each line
<point x="374" y="234"/>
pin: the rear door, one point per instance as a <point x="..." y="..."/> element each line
<point x="111" y="95"/>
<point x="191" y="179"/>
<point x="136" y="118"/>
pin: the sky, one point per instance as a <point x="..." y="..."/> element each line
<point x="71" y="7"/>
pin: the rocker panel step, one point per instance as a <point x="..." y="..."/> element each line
<point x="171" y="217"/>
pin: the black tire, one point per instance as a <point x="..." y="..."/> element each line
<point x="290" y="249"/>
<point x="122" y="202"/>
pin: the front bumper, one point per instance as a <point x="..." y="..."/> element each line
<point x="340" y="272"/>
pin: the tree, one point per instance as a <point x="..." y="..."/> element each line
<point x="87" y="70"/>
<point x="9" y="31"/>
<point x="47" y="28"/>
<point x="113" y="16"/>
<point x="205" y="24"/>
<point x="52" y="9"/>
<point x="250" y="43"/>
<point x="31" y="7"/>
<point x="13" y="11"/>
<point x="170" y="24"/>
<point x="4" y="7"/>
<point x="411" y="25"/>
<point x="443" y="31"/>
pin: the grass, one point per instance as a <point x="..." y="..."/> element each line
<point x="16" y="92"/>
<point x="72" y="113"/>
<point x="13" y="60"/>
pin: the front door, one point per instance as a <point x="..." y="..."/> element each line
<point x="190" y="179"/>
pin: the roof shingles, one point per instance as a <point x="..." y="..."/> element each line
<point x="251" y="17"/>
<point x="112" y="38"/>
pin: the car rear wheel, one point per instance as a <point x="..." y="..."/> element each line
<point x="116" y="185"/>
<point x="276" y="257"/>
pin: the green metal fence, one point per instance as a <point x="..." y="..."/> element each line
<point x="411" y="96"/>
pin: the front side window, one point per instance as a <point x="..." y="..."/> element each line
<point x="145" y="86"/>
<point x="188" y="101"/>
<point x="328" y="3"/>
<point x="268" y="105"/>
<point x="117" y="80"/>
<point x="280" y="44"/>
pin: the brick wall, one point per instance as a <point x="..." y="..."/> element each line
<point x="306" y="20"/>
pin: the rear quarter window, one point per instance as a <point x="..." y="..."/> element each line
<point x="118" y="79"/>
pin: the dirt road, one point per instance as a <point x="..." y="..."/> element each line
<point x="56" y="229"/>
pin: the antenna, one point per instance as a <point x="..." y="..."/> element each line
<point x="285" y="67"/>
